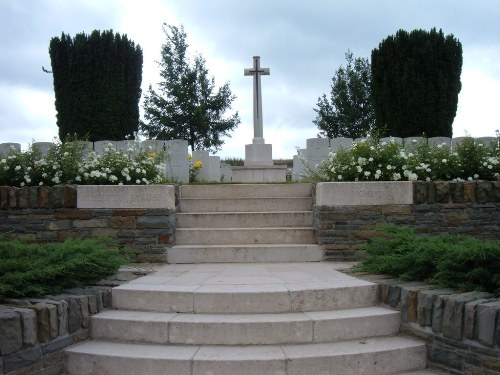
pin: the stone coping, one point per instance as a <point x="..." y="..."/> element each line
<point x="364" y="193"/>
<point x="126" y="196"/>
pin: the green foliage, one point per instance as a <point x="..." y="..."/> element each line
<point x="65" y="163"/>
<point x="187" y="105"/>
<point x="454" y="261"/>
<point x="390" y="161"/>
<point x="348" y="112"/>
<point x="236" y="162"/>
<point x="97" y="84"/>
<point x="30" y="269"/>
<point x="416" y="82"/>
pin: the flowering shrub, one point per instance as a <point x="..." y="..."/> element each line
<point x="194" y="168"/>
<point x="67" y="163"/>
<point x="390" y="161"/>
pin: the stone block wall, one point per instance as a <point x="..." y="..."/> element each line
<point x="462" y="330"/>
<point x="33" y="332"/>
<point x="471" y="208"/>
<point x="50" y="214"/>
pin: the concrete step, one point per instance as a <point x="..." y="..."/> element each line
<point x="228" y="191"/>
<point x="244" y="253"/>
<point x="223" y="298"/>
<point x="245" y="204"/>
<point x="244" y="329"/>
<point x="373" y="356"/>
<point x="244" y="236"/>
<point x="245" y="219"/>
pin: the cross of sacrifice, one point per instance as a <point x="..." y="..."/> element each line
<point x="256" y="72"/>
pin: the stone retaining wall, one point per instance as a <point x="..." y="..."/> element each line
<point x="471" y="208"/>
<point x="33" y="332"/>
<point x="50" y="214"/>
<point x="462" y="330"/>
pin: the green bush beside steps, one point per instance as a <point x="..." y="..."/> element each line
<point x="451" y="261"/>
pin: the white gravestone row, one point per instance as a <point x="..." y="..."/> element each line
<point x="177" y="165"/>
<point x="318" y="149"/>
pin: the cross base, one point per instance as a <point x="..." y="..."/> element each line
<point x="258" y="154"/>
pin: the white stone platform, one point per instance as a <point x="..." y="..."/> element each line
<point x="252" y="174"/>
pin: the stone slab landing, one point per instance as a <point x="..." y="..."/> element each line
<point x="226" y="314"/>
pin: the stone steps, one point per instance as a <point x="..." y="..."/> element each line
<point x="245" y="219"/>
<point x="244" y="329"/>
<point x="267" y="253"/>
<point x="244" y="236"/>
<point x="219" y="315"/>
<point x="245" y="204"/>
<point x="382" y="355"/>
<point x="228" y="191"/>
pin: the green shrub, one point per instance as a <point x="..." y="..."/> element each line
<point x="30" y="269"/>
<point x="454" y="261"/>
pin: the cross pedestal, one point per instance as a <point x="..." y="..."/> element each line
<point x="259" y="165"/>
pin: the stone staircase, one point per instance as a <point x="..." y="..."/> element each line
<point x="246" y="294"/>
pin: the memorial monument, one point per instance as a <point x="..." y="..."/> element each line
<point x="258" y="165"/>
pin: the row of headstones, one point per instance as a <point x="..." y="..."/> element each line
<point x="178" y="162"/>
<point x="318" y="149"/>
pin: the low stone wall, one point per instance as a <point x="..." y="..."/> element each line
<point x="33" y="332"/>
<point x="51" y="214"/>
<point x="471" y="208"/>
<point x="462" y="330"/>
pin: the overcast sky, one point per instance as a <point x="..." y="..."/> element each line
<point x="302" y="42"/>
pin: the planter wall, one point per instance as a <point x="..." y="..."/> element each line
<point x="343" y="224"/>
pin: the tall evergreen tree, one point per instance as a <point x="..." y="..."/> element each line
<point x="97" y="84"/>
<point x="348" y="112"/>
<point x="187" y="105"/>
<point x="416" y="82"/>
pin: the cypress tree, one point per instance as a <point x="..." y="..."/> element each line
<point x="416" y="82"/>
<point x="97" y="84"/>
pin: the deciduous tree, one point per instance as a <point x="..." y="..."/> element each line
<point x="348" y="111"/>
<point x="187" y="104"/>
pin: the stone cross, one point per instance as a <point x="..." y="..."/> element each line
<point x="256" y="72"/>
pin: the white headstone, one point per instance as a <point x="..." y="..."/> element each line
<point x="178" y="162"/>
<point x="214" y="172"/>
<point x="226" y="172"/>
<point x="410" y="141"/>
<point x="154" y="145"/>
<point x="126" y="146"/>
<point x="487" y="141"/>
<point x="43" y="147"/>
<point x="299" y="170"/>
<point x="100" y="146"/>
<point x="5" y="148"/>
<point x="204" y="171"/>
<point x="397" y="140"/>
<point x="435" y="141"/>
<point x="456" y="141"/>
<point x="317" y="151"/>
<point x="338" y="143"/>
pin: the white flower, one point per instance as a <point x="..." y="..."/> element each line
<point x="339" y="177"/>
<point x="444" y="161"/>
<point x="18" y="167"/>
<point x="40" y="183"/>
<point x="469" y="179"/>
<point x="476" y="176"/>
<point x="370" y="159"/>
<point x="27" y="178"/>
<point x="56" y="180"/>
<point x="427" y="179"/>
<point x="4" y="161"/>
<point x="22" y="183"/>
<point x="137" y="181"/>
<point x="359" y="169"/>
<point x="396" y="176"/>
<point x="78" y="178"/>
<point x="66" y="153"/>
<point x="113" y="178"/>
<point x="389" y="167"/>
<point x="367" y="173"/>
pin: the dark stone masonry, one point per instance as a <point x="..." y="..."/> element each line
<point x="470" y="208"/>
<point x="462" y="330"/>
